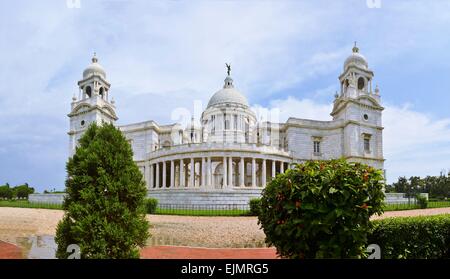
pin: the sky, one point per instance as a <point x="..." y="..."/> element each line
<point x="161" y="56"/>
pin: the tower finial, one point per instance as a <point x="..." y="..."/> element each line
<point x="355" y="48"/>
<point x="377" y="89"/>
<point x="94" y="58"/>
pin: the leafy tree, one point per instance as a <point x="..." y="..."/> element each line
<point x="402" y="185"/>
<point x="104" y="206"/>
<point x="6" y="192"/>
<point x="321" y="209"/>
<point x="436" y="186"/>
<point x="22" y="191"/>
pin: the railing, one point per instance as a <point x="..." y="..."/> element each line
<point x="413" y="204"/>
<point x="203" y="209"/>
<point x="220" y="146"/>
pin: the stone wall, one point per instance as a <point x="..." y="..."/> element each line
<point x="46" y="198"/>
<point x="216" y="199"/>
<point x="198" y="198"/>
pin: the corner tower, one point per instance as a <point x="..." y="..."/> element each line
<point x="92" y="104"/>
<point x="360" y="110"/>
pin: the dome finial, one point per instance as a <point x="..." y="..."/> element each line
<point x="94" y="58"/>
<point x="228" y="68"/>
<point x="355" y="48"/>
<point x="228" y="79"/>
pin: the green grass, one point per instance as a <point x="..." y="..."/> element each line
<point x="209" y="212"/>
<point x="27" y="204"/>
<point x="431" y="204"/>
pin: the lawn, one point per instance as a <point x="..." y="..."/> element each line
<point x="209" y="212"/>
<point x="26" y="204"/>
<point x="202" y="212"/>
<point x="431" y="204"/>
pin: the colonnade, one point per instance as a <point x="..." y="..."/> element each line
<point x="213" y="172"/>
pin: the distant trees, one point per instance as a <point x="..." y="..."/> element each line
<point x="19" y="192"/>
<point x="437" y="187"/>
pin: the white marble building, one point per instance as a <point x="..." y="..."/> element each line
<point x="228" y="156"/>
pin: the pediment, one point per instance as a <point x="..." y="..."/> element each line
<point x="81" y="108"/>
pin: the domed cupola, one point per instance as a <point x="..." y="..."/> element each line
<point x="228" y="95"/>
<point x="356" y="59"/>
<point x="228" y="117"/>
<point x="94" y="69"/>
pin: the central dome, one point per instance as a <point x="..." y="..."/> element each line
<point x="228" y="95"/>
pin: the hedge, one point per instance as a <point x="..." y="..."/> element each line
<point x="255" y="206"/>
<point x="150" y="205"/>
<point x="422" y="237"/>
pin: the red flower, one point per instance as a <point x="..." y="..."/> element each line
<point x="366" y="176"/>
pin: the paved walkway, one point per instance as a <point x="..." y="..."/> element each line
<point x="31" y="224"/>
<point x="181" y="252"/>
<point x="413" y="212"/>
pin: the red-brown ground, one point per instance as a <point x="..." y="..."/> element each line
<point x="180" y="252"/>
<point x="10" y="251"/>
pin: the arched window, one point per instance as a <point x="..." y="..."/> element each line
<point x="361" y="83"/>
<point x="102" y="92"/>
<point x="88" y="91"/>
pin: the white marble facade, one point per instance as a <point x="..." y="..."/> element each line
<point x="228" y="149"/>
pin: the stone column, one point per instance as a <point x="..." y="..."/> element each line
<point x="164" y="177"/>
<point x="157" y="175"/>
<point x="281" y="167"/>
<point x="182" y="180"/>
<point x="203" y="168"/>
<point x="263" y="178"/>
<point x="273" y="168"/>
<point x="224" y="172"/>
<point x="253" y="172"/>
<point x="242" y="173"/>
<point x="147" y="175"/>
<point x="172" y="174"/>
<point x="230" y="172"/>
<point x="152" y="175"/>
<point x="192" y="175"/>
<point x="209" y="172"/>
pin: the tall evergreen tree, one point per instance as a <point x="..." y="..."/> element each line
<point x="104" y="206"/>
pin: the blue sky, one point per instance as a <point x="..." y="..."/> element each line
<point x="162" y="55"/>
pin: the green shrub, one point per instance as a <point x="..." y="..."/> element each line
<point x="255" y="206"/>
<point x="422" y="237"/>
<point x="104" y="205"/>
<point x="422" y="201"/>
<point x="321" y="209"/>
<point x="150" y="205"/>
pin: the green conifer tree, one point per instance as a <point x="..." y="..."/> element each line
<point x="104" y="206"/>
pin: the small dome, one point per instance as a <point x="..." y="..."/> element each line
<point x="228" y="95"/>
<point x="356" y="59"/>
<point x="94" y="68"/>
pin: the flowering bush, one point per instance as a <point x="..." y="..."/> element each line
<point x="321" y="209"/>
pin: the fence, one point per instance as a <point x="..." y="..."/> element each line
<point x="204" y="209"/>
<point x="413" y="204"/>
